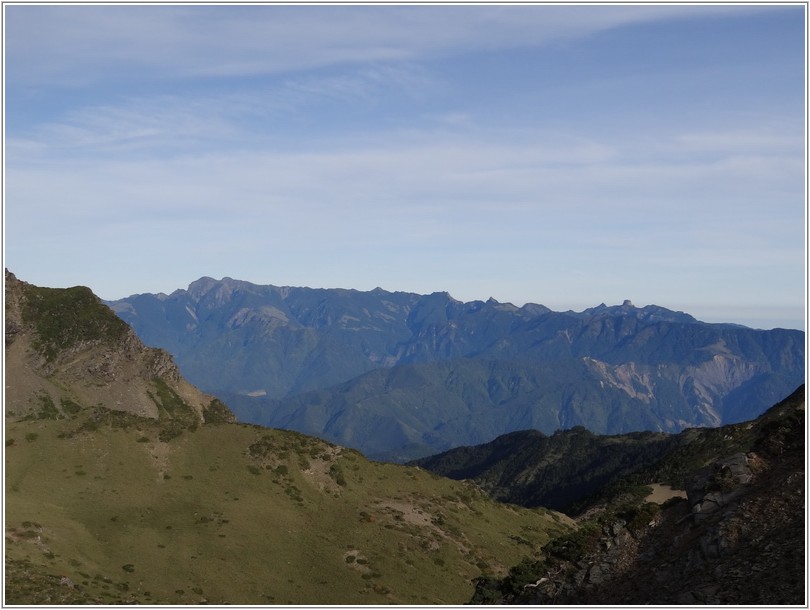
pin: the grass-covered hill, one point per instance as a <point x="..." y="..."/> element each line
<point x="125" y="484"/>
<point x="99" y="509"/>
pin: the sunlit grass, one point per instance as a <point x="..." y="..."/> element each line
<point x="244" y="515"/>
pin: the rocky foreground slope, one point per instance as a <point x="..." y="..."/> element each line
<point x="735" y="534"/>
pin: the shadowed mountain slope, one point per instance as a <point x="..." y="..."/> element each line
<point x="557" y="471"/>
<point x="718" y="519"/>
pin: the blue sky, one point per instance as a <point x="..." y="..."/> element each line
<point x="564" y="155"/>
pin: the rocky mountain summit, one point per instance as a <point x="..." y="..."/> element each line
<point x="737" y="535"/>
<point x="400" y="376"/>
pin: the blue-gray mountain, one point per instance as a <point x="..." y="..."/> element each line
<point x="400" y="375"/>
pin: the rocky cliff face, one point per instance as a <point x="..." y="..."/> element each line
<point x="65" y="350"/>
<point x="736" y="538"/>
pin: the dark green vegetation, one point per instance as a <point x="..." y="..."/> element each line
<point x="400" y="376"/>
<point x="737" y="537"/>
<point x="103" y="507"/>
<point x="573" y="470"/>
<point x="559" y="471"/>
<point x="172" y="408"/>
<point x="65" y="318"/>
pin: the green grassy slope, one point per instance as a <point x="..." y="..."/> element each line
<point x="100" y="510"/>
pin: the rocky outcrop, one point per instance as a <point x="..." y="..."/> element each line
<point x="718" y="485"/>
<point x="66" y="350"/>
<point x="738" y="537"/>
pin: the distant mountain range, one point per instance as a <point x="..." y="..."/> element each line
<point x="401" y="376"/>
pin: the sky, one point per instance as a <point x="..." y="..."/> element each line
<point x="556" y="154"/>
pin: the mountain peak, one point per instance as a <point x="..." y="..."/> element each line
<point x="443" y="294"/>
<point x="201" y="286"/>
<point x="221" y="290"/>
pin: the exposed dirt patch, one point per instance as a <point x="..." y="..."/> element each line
<point x="28" y="533"/>
<point x="410" y="513"/>
<point x="160" y="456"/>
<point x="355" y="560"/>
<point x="320" y="472"/>
<point x="661" y="493"/>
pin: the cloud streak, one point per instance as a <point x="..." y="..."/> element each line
<point x="475" y="183"/>
<point x="78" y="44"/>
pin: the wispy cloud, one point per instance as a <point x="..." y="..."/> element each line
<point x="458" y="178"/>
<point x="767" y="139"/>
<point x="171" y="123"/>
<point x="70" y="45"/>
<point x="129" y="125"/>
